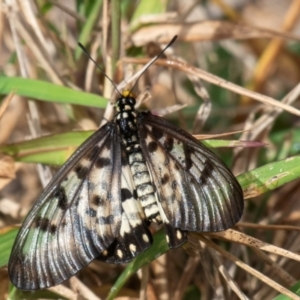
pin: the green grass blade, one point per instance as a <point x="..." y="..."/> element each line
<point x="55" y="149"/>
<point x="86" y="31"/>
<point x="146" y="7"/>
<point x="270" y="176"/>
<point x="45" y="91"/>
<point x="295" y="289"/>
<point x="52" y="149"/>
<point x="7" y="237"/>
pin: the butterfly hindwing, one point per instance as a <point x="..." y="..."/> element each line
<point x="76" y="218"/>
<point x="195" y="189"/>
<point x="134" y="236"/>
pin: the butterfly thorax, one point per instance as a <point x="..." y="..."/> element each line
<point x="126" y="120"/>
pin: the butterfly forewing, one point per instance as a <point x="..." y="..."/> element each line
<point x="196" y="190"/>
<point x="76" y="218"/>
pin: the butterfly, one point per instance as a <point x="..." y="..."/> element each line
<point x="133" y="171"/>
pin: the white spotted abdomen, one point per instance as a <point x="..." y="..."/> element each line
<point x="144" y="187"/>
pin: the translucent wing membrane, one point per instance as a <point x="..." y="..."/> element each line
<point x="76" y="218"/>
<point x="196" y="191"/>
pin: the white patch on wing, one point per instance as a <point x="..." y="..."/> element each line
<point x="119" y="253"/>
<point x="145" y="238"/>
<point x="132" y="248"/>
<point x="178" y="234"/>
<point x="167" y="239"/>
<point x="125" y="227"/>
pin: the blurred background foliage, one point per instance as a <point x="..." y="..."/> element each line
<point x="234" y="68"/>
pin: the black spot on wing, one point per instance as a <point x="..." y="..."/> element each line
<point x="91" y="156"/>
<point x="188" y="160"/>
<point x="53" y="229"/>
<point x="60" y="194"/>
<point x="206" y="173"/>
<point x="168" y="143"/>
<point x="152" y="146"/>
<point x="165" y="179"/>
<point x="81" y="171"/>
<point x="106" y="220"/>
<point x="42" y="223"/>
<point x="91" y="212"/>
<point x="125" y="194"/>
<point x="97" y="200"/>
<point x="157" y="133"/>
<point x="102" y="162"/>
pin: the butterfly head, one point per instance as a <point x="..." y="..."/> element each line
<point x="125" y="102"/>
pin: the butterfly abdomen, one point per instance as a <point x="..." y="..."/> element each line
<point x="126" y="122"/>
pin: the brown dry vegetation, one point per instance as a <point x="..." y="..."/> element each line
<point x="234" y="67"/>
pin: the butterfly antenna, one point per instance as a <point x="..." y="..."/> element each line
<point x="155" y="59"/>
<point x="102" y="71"/>
<point x="149" y="64"/>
